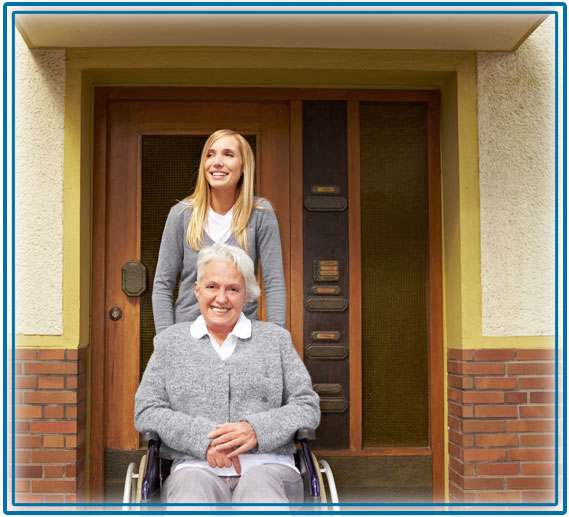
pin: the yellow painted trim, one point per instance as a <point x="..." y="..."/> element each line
<point x="44" y="342"/>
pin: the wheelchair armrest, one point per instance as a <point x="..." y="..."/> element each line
<point x="150" y="437"/>
<point x="305" y="434"/>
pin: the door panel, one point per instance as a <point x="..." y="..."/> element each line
<point x="130" y="124"/>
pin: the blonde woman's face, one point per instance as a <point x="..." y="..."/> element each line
<point x="224" y="163"/>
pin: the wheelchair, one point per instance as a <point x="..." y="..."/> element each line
<point x="144" y="486"/>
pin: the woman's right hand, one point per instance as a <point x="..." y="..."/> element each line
<point x="219" y="459"/>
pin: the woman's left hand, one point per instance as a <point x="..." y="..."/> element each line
<point x="234" y="434"/>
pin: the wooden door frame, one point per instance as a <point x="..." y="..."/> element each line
<point x="295" y="97"/>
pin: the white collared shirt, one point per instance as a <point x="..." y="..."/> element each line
<point x="241" y="330"/>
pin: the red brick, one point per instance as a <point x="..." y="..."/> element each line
<point x="484" y="454"/>
<point x="25" y="354"/>
<point x="496" y="411"/>
<point x="72" y="354"/>
<point x="536" y="383"/>
<point x="464" y="469"/>
<point x="82" y="408"/>
<point x="62" y="486"/>
<point x="494" y="355"/>
<point x="454" y="395"/>
<point x="456" y="478"/>
<point x="28" y="442"/>
<point x="482" y="369"/>
<point x="54" y="456"/>
<point x="455" y="423"/>
<point x="70" y="499"/>
<point x="456" y="381"/>
<point x="459" y="410"/>
<point x="461" y="439"/>
<point x="71" y="411"/>
<point x="495" y="383"/>
<point x="455" y="450"/>
<point x="28" y="471"/>
<point x="22" y="456"/>
<point x="497" y="469"/>
<point x="491" y="426"/>
<point x="29" y="498"/>
<point x="18" y="397"/>
<point x="537" y="439"/>
<point x="516" y="397"/>
<point x="50" y="397"/>
<point x="53" y="442"/>
<point x="537" y="411"/>
<point x="53" y="427"/>
<point x="460" y="495"/>
<point x="530" y="482"/>
<point x="483" y="483"/>
<point x="22" y="485"/>
<point x="536" y="355"/>
<point x="54" y="354"/>
<point x="25" y="412"/>
<point x="538" y="497"/>
<point x="26" y="382"/>
<point x="71" y="382"/>
<point x="542" y="397"/>
<point x="70" y="471"/>
<point x="53" y="471"/>
<point x="530" y="368"/>
<point x="498" y="497"/>
<point x="21" y="427"/>
<point x="531" y="426"/>
<point x="496" y="440"/>
<point x="459" y="354"/>
<point x="486" y="397"/>
<point x="49" y="368"/>
<point x="54" y="498"/>
<point x="538" y="469"/>
<point x="531" y="454"/>
<point x="51" y="383"/>
<point x="18" y="369"/>
<point x="53" y="412"/>
<point x="71" y="441"/>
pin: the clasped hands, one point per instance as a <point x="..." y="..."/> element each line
<point x="229" y="441"/>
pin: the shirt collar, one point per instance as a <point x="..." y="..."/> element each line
<point x="242" y="328"/>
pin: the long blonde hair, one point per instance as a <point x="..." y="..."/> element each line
<point x="200" y="199"/>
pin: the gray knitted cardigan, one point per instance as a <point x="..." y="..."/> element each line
<point x="177" y="257"/>
<point x="187" y="389"/>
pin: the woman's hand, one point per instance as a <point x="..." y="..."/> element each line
<point x="220" y="459"/>
<point x="231" y="435"/>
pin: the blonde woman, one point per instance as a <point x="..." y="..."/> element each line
<point x="222" y="209"/>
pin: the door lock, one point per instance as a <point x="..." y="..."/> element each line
<point x="115" y="313"/>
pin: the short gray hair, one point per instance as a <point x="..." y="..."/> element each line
<point x="235" y="256"/>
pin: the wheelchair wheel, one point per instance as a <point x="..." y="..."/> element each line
<point x="141" y="472"/>
<point x="129" y="489"/>
<point x="323" y="498"/>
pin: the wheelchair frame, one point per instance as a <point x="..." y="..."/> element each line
<point x="153" y="470"/>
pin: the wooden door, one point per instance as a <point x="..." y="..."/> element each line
<point x="131" y="126"/>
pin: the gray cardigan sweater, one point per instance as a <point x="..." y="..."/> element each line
<point x="177" y="257"/>
<point x="187" y="389"/>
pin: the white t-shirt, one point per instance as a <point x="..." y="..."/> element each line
<point x="242" y="330"/>
<point x="219" y="226"/>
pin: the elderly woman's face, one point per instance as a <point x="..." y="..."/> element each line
<point x="221" y="295"/>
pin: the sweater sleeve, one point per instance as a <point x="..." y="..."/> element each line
<point x="153" y="412"/>
<point x="168" y="267"/>
<point x="300" y="408"/>
<point x="268" y="243"/>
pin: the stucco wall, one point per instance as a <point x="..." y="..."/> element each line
<point x="517" y="191"/>
<point x="39" y="110"/>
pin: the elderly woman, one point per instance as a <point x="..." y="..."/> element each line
<point x="227" y="394"/>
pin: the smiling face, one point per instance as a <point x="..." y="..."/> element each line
<point x="221" y="294"/>
<point x="224" y="163"/>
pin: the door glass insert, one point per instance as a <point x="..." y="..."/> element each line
<point x="394" y="240"/>
<point x="169" y="171"/>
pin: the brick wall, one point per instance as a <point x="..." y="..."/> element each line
<point x="50" y="425"/>
<point x="501" y="406"/>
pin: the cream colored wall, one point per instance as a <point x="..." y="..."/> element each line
<point x="516" y="127"/>
<point x="39" y="132"/>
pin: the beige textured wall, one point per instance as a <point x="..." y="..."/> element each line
<point x="39" y="110"/>
<point x="516" y="124"/>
